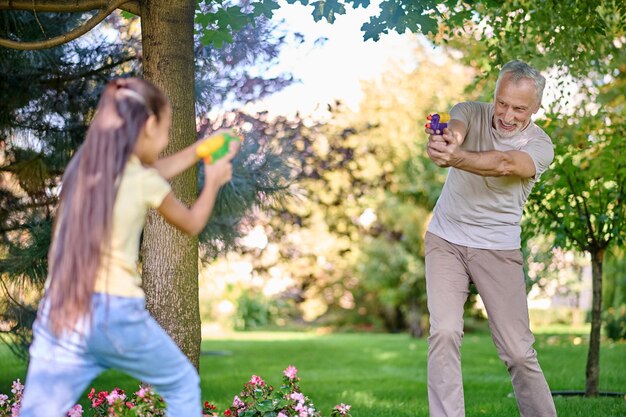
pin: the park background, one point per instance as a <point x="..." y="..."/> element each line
<point x="315" y="255"/>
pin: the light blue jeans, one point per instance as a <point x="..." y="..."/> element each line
<point x="122" y="336"/>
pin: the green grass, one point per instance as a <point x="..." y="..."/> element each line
<point x="384" y="375"/>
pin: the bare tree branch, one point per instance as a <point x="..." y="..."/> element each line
<point x="69" y="36"/>
<point x="64" y="6"/>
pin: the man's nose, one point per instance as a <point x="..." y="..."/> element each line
<point x="508" y="116"/>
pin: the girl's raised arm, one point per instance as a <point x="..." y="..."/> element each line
<point x="172" y="165"/>
<point x="192" y="220"/>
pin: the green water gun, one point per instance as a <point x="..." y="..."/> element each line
<point x="215" y="148"/>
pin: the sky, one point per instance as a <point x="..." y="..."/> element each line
<point x="335" y="69"/>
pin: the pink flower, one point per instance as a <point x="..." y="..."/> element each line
<point x="76" y="411"/>
<point x="115" y="395"/>
<point x="17" y="387"/>
<point x="237" y="403"/>
<point x="142" y="392"/>
<point x="304" y="413"/>
<point x="343" y="408"/>
<point x="3" y="399"/>
<point x="281" y="414"/>
<point x="297" y="396"/>
<point x="290" y="372"/>
<point x="256" y="380"/>
<point x="102" y="396"/>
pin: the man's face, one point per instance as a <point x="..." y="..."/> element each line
<point x="515" y="103"/>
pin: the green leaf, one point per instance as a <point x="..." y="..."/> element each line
<point x="428" y="25"/>
<point x="265" y="406"/>
<point x="371" y="31"/>
<point x="265" y="8"/>
<point x="232" y="17"/>
<point x="204" y="19"/>
<point x="216" y="38"/>
<point x="237" y="18"/>
<point x="327" y="9"/>
<point x="357" y="3"/>
<point x="127" y="15"/>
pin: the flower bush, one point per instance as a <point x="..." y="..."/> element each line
<point x="257" y="399"/>
<point x="143" y="403"/>
<point x="10" y="406"/>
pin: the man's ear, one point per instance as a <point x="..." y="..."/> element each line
<point x="537" y="107"/>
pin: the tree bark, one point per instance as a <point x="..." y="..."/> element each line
<point x="170" y="258"/>
<point x="593" y="356"/>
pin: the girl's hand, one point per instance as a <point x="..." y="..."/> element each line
<point x="220" y="172"/>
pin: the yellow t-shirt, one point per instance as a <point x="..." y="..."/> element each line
<point x="140" y="189"/>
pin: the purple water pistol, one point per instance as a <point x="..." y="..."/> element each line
<point x="437" y="122"/>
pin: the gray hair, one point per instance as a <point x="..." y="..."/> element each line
<point x="519" y="70"/>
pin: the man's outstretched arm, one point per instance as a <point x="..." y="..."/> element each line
<point x="445" y="151"/>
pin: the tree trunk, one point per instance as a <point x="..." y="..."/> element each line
<point x="593" y="356"/>
<point x="170" y="258"/>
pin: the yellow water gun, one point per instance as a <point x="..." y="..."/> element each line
<point x="215" y="148"/>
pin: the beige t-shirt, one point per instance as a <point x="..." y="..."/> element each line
<point x="485" y="212"/>
<point x="140" y="189"/>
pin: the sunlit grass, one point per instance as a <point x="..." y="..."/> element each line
<point x="384" y="375"/>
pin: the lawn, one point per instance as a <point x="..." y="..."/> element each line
<point x="383" y="375"/>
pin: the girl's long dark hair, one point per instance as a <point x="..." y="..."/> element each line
<point x="89" y="187"/>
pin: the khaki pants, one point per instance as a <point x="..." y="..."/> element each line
<point x="499" y="278"/>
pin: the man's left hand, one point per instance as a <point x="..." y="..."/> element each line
<point x="443" y="149"/>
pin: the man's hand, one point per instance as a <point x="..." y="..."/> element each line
<point x="443" y="149"/>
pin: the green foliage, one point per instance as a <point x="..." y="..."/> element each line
<point x="615" y="323"/>
<point x="402" y="16"/>
<point x="218" y="21"/>
<point x="353" y="244"/>
<point x="544" y="32"/>
<point x="263" y="174"/>
<point x="253" y="311"/>
<point x="581" y="198"/>
<point x="614" y="278"/>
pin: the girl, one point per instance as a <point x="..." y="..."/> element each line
<point x="93" y="314"/>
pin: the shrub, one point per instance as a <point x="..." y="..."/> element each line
<point x="615" y="323"/>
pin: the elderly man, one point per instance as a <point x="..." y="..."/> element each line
<point x="495" y="154"/>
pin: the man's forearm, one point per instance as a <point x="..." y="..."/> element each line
<point x="486" y="163"/>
